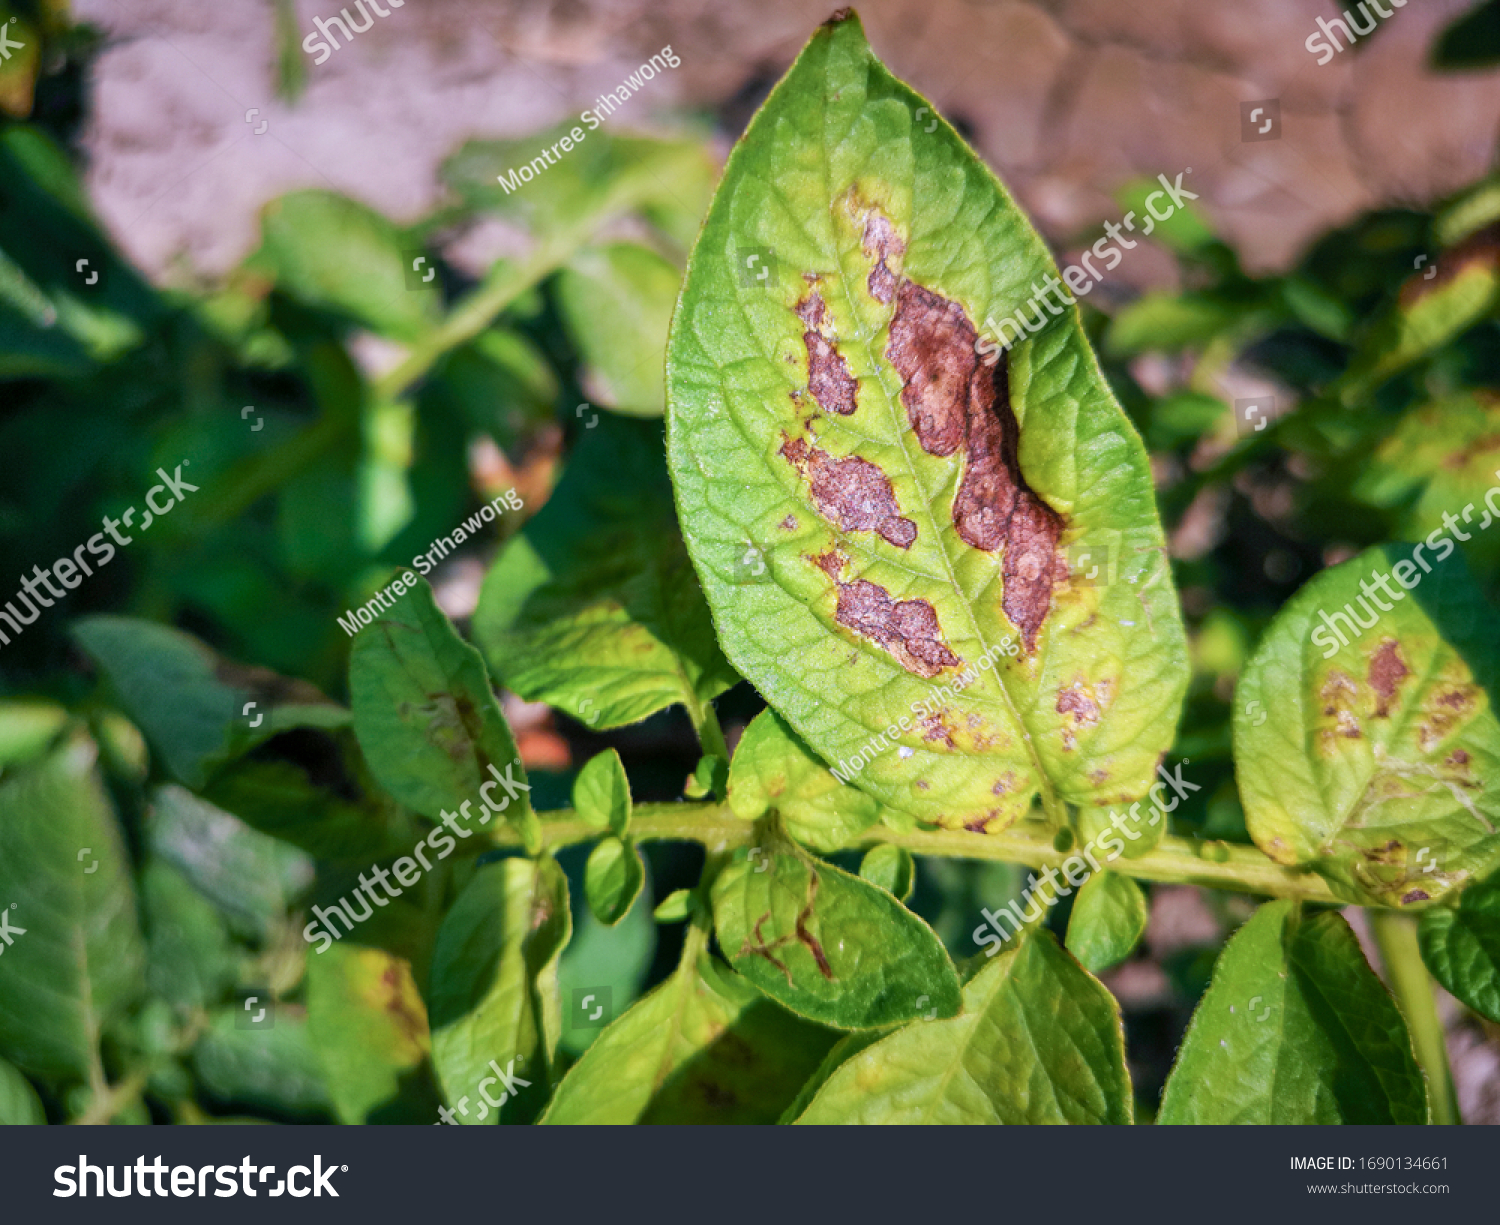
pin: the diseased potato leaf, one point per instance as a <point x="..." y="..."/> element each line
<point x="1379" y="765"/>
<point x="1295" y="1028"/>
<point x="1038" y="1041"/>
<point x="368" y="1025"/>
<point x="828" y="945"/>
<point x="876" y="500"/>
<point x="427" y="720"/>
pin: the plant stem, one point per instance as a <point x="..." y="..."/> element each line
<point x="710" y="734"/>
<point x="1216" y="865"/>
<point x="1396" y="936"/>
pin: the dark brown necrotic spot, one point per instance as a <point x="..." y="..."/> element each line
<point x="851" y="492"/>
<point x="883" y="246"/>
<point x="954" y="399"/>
<point x="828" y="376"/>
<point x="1387" y="670"/>
<point x="908" y="629"/>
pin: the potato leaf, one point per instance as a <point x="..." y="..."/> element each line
<point x="1038" y="1041"/>
<point x="1461" y="946"/>
<point x="494" y="990"/>
<point x="1295" y="1028"/>
<point x="1109" y="917"/>
<point x="828" y="945"/>
<point x="774" y="769"/>
<point x="939" y="561"/>
<point x="73" y="958"/>
<point x="1365" y="740"/>
<point x="704" y="1047"/>
<point x="427" y="720"/>
<point x="593" y="608"/>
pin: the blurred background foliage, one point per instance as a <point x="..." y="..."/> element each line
<point x="346" y="396"/>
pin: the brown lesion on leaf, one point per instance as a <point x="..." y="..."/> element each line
<point x="1387" y="671"/>
<point x="935" y="729"/>
<point x="851" y="492"/>
<point x="908" y="629"/>
<point x="1449" y="708"/>
<point x="883" y="246"/>
<point x="789" y="524"/>
<point x="955" y="400"/>
<point x="801" y="935"/>
<point x="1337" y="695"/>
<point x="828" y="377"/>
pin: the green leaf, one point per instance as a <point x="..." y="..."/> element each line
<point x="368" y="1025"/>
<point x="773" y="768"/>
<point x="191" y="960"/>
<point x="1295" y="1028"/>
<point x="704" y="1047"/>
<point x="613" y="879"/>
<point x="196" y="708"/>
<point x="601" y="793"/>
<point x="1461" y="946"/>
<point x="616" y="303"/>
<point x="252" y="879"/>
<point x="427" y="720"/>
<point x="828" y="945"/>
<point x="494" y="990"/>
<point x="668" y="181"/>
<point x="1109" y="917"/>
<point x="65" y="881"/>
<point x="333" y="252"/>
<point x="890" y="868"/>
<point x="876" y="513"/>
<point x="1038" y="1041"/>
<point x="675" y="907"/>
<point x="1374" y="766"/>
<point x="1443" y="457"/>
<point x="710" y="777"/>
<point x="19" y="1104"/>
<point x="27" y="728"/>
<point x="1429" y="313"/>
<point x="593" y="608"/>
<point x="274" y="1069"/>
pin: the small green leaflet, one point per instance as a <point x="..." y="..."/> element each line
<point x="945" y="572"/>
<point x="1295" y="1028"/>
<point x="774" y="769"/>
<point x="1109" y="917"/>
<point x="613" y="878"/>
<point x="601" y="793"/>
<point x="1038" y="1041"/>
<point x="1374" y="760"/>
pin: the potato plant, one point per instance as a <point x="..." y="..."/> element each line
<point x="936" y="554"/>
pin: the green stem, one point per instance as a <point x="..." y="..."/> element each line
<point x="706" y="723"/>
<point x="506" y="282"/>
<point x="1215" y="865"/>
<point x="1396" y="936"/>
